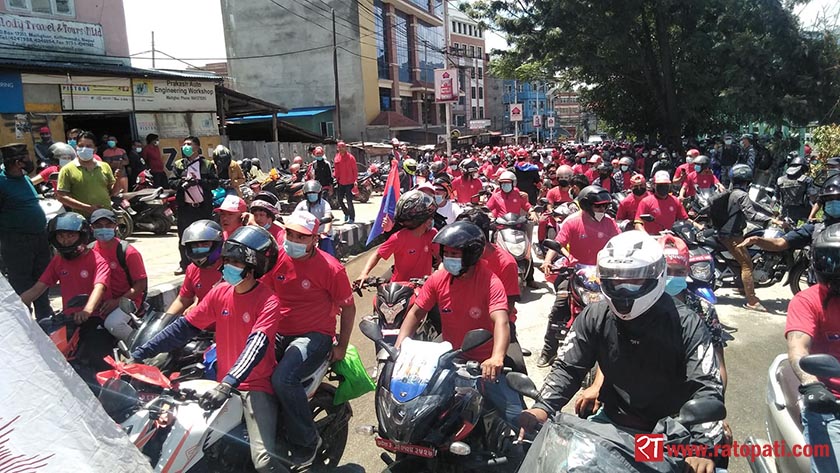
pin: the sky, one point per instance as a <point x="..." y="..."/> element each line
<point x="166" y="19"/>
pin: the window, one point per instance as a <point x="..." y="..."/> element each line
<point x="481" y="92"/>
<point x="480" y="112"/>
<point x="472" y="51"/>
<point x="472" y="72"/>
<point x="508" y="89"/>
<point x="406" y="108"/>
<point x="401" y="25"/>
<point x="480" y="73"/>
<point x="473" y="112"/>
<point x="421" y="4"/>
<point x="478" y="50"/>
<point x="385" y="100"/>
<point x="454" y="24"/>
<point x="382" y="65"/>
<point x="327" y="129"/>
<point x="460" y="120"/>
<point x="44" y="7"/>
<point x="473" y="92"/>
<point x="461" y="100"/>
<point x="430" y="44"/>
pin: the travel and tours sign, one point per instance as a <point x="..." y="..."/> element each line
<point x="50" y="34"/>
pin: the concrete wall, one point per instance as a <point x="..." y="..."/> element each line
<point x="289" y="70"/>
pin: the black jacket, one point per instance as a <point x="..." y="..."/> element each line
<point x="208" y="182"/>
<point x="652" y="365"/>
<point x="741" y="210"/>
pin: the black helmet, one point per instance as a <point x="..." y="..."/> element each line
<point x="741" y="174"/>
<point x="478" y="218"/>
<point x="252" y="246"/>
<point x="284" y="163"/>
<point x="468" y="165"/>
<point x="266" y="196"/>
<point x="437" y="167"/>
<point x="827" y="257"/>
<point x="702" y="161"/>
<point x="414" y="208"/>
<point x="69" y="222"/>
<point x="796" y="167"/>
<point x="830" y="189"/>
<point x="465" y="236"/>
<point x="604" y="167"/>
<point x="591" y="195"/>
<point x="312" y="187"/>
<point x="423" y="170"/>
<point x="255" y="162"/>
<point x="202" y="231"/>
<point x="663" y="156"/>
<point x="495" y="159"/>
<point x="245" y="164"/>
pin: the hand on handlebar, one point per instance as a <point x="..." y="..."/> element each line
<point x="587" y="403"/>
<point x="530" y="420"/>
<point x="213" y="399"/>
<point x="491" y="368"/>
<point x="749" y="241"/>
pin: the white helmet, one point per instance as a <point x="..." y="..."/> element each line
<point x="507" y="176"/>
<point x="632" y="271"/>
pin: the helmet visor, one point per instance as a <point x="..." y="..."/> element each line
<point x="250" y="237"/>
<point x="827" y="260"/>
<point x="618" y="268"/>
<point x="70" y="222"/>
<point x="627" y="288"/>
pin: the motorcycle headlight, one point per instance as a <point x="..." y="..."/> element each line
<point x="516" y="249"/>
<point x="701" y="271"/>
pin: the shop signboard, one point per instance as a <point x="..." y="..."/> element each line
<point x="95" y="97"/>
<point x="51" y="34"/>
<point x="174" y="95"/>
<point x="11" y="93"/>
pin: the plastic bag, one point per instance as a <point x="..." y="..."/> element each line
<point x="355" y="380"/>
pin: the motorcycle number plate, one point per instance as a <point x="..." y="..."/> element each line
<point x="167" y="212"/>
<point x="416" y="450"/>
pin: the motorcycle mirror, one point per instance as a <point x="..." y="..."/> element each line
<point x="475" y="338"/>
<point x="78" y="301"/>
<point x="193" y="371"/>
<point x="822" y="365"/>
<point x="522" y="384"/>
<point x="699" y="411"/>
<point x="53" y="176"/>
<point x="326" y="220"/>
<point x="552" y="245"/>
<point x="647" y="217"/>
<point x="371" y="330"/>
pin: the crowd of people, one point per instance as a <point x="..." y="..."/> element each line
<point x="273" y="291"/>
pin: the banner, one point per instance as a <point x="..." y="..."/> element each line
<point x="95" y="97"/>
<point x="50" y="421"/>
<point x="446" y="85"/>
<point x="516" y="112"/>
<point x="11" y="93"/>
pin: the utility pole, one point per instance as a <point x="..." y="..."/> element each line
<point x="446" y="53"/>
<point x="335" y="74"/>
<point x="153" y="49"/>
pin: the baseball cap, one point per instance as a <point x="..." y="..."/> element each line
<point x="99" y="214"/>
<point x="661" y="177"/>
<point x="694" y="153"/>
<point x="318" y="150"/>
<point x="45" y="130"/>
<point x="13" y="150"/>
<point x="232" y="203"/>
<point x="301" y="222"/>
<point x="341" y="143"/>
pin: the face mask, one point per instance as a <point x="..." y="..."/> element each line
<point x="293" y="249"/>
<point x="662" y="190"/>
<point x="112" y="144"/>
<point x="28" y="166"/>
<point x="474" y="175"/>
<point x="727" y="142"/>
<point x="72" y="143"/>
<point x="267" y="226"/>
<point x="507" y="188"/>
<point x="319" y="158"/>
<point x="563" y="183"/>
<point x="85" y="154"/>
<point x="232" y="275"/>
<point x="675" y="285"/>
<point x="312" y="198"/>
<point x="46" y="138"/>
<point x="201" y="250"/>
<point x="187" y="150"/>
<point x="438" y="199"/>
<point x="688" y="160"/>
<point x="157" y="143"/>
<point x="104" y="234"/>
<point x="582" y="160"/>
<point x="625" y="168"/>
<point x="639" y="191"/>
<point x="138" y="150"/>
<point x="698" y="168"/>
<point x="63" y="162"/>
<point x="832" y="208"/>
<point x="599" y="216"/>
<point x="452" y="265"/>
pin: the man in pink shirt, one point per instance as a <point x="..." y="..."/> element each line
<point x="509" y="199"/>
<point x="346" y="174"/>
<point x="664" y="207"/>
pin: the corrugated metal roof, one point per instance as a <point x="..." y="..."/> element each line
<point x="293" y="113"/>
<point x="103" y="69"/>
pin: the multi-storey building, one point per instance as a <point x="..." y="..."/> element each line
<point x="467" y="45"/>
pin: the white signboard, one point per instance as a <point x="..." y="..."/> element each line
<point x="50" y="34"/>
<point x="537" y="121"/>
<point x="446" y="85"/>
<point x="479" y="124"/>
<point x="174" y="95"/>
<point x="549" y="122"/>
<point x="95" y="97"/>
<point x="146" y="125"/>
<point x="204" y="124"/>
<point x="516" y="112"/>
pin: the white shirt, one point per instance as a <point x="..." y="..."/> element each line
<point x="450" y="211"/>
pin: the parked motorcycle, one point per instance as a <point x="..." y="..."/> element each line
<point x="512" y="235"/>
<point x="430" y="410"/>
<point x="149" y="210"/>
<point x="365" y="184"/>
<point x="701" y="263"/>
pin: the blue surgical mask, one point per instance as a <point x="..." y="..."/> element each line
<point x="72" y="143"/>
<point x="832" y="208"/>
<point x="112" y="143"/>
<point x="698" y="168"/>
<point x="438" y="199"/>
<point x="312" y="198"/>
<point x="319" y="158"/>
<point x="85" y="154"/>
<point x="675" y="285"/>
<point x="232" y="275"/>
<point x="507" y="188"/>
<point x="293" y="249"/>
<point x="625" y="168"/>
<point x="187" y="150"/>
<point x="104" y="234"/>
<point x="200" y="250"/>
<point x="138" y="150"/>
<point x="452" y="265"/>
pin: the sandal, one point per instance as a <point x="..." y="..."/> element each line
<point x="757" y="307"/>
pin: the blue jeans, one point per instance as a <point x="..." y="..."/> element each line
<point x="302" y="355"/>
<point x="823" y="429"/>
<point x="326" y="245"/>
<point x="504" y="399"/>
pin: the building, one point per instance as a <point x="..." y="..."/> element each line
<point x="218" y="68"/>
<point x="576" y="120"/>
<point x="387" y="52"/>
<point x="535" y="103"/>
<point x="468" y="53"/>
<point x="495" y="108"/>
<point x="65" y="64"/>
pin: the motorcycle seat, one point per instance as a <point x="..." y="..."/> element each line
<point x="789" y="383"/>
<point x="142" y="194"/>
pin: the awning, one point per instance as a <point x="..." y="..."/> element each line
<point x="395" y="121"/>
<point x="236" y="104"/>
<point x="293" y="113"/>
<point x="58" y="67"/>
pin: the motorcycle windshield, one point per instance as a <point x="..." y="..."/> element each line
<point x="513" y="241"/>
<point x="414" y="367"/>
<point x="153" y="324"/>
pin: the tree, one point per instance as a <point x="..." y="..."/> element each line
<point x="665" y="68"/>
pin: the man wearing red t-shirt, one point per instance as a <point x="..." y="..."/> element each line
<point x="701" y="177"/>
<point x="346" y="173"/>
<point x="813" y="326"/>
<point x="664" y="207"/>
<point x="202" y="243"/>
<point x="683" y="170"/>
<point x="154" y="161"/>
<point x="469" y="297"/>
<point x="582" y="236"/>
<point x="312" y="287"/>
<point x="627" y="207"/>
<point x="467" y="184"/>
<point x="508" y="199"/>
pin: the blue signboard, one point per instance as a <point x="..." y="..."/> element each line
<point x="11" y="93"/>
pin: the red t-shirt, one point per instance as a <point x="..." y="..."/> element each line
<point x="278" y="232"/>
<point x="807" y="314"/>
<point x="702" y="181"/>
<point x="627" y="207"/>
<point x="199" y="281"/>
<point x="236" y="317"/>
<point x="310" y="292"/>
<point x="412" y="254"/>
<point x="585" y="236"/>
<point x="465" y="188"/>
<point x="580" y="168"/>
<point x="513" y="202"/>
<point x="492" y="171"/>
<point x="119" y="279"/>
<point x="465" y="304"/>
<point x="151" y="155"/>
<point x="683" y="169"/>
<point x="625" y="181"/>
<point x="503" y="265"/>
<point x="558" y="195"/>
<point x="591" y="174"/>
<point x="45" y="175"/>
<point x="77" y="276"/>
<point x="345" y="171"/>
<point x="665" y="212"/>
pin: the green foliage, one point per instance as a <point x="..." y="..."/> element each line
<point x="827" y="140"/>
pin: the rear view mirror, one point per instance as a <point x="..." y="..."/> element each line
<point x="552" y="245"/>
<point x="523" y="385"/>
<point x="475" y="338"/>
<point x="699" y="411"/>
<point x="822" y="365"/>
<point x="371" y="329"/>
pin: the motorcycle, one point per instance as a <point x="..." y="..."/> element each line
<point x="512" y="235"/>
<point x="701" y="263"/>
<point x="784" y="414"/>
<point x="176" y="434"/>
<point x="149" y="209"/>
<point x="569" y="443"/>
<point x="365" y="183"/>
<point x="430" y="410"/>
<point x="169" y="362"/>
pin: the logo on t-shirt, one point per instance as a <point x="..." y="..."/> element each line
<point x="426" y="249"/>
<point x="446" y="311"/>
<point x="198" y="285"/>
<point x="305" y="284"/>
<point x="412" y="251"/>
<point x="246" y="317"/>
<point x="601" y="235"/>
<point x="113" y="265"/>
<point x="671" y="208"/>
<point x="475" y="312"/>
<point x="281" y="277"/>
<point x="83" y="273"/>
<point x="225" y="312"/>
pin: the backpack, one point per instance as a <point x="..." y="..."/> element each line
<point x="122" y="248"/>
<point x="763" y="159"/>
<point x="719" y="209"/>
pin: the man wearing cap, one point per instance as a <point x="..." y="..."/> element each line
<point x="747" y="155"/>
<point x="346" y="174"/>
<point x="686" y="168"/>
<point x="23" y="237"/>
<point x="194" y="179"/>
<point x="232" y="214"/>
<point x="312" y="287"/>
<point x="128" y="273"/>
<point x="42" y="148"/>
<point x="665" y="208"/>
